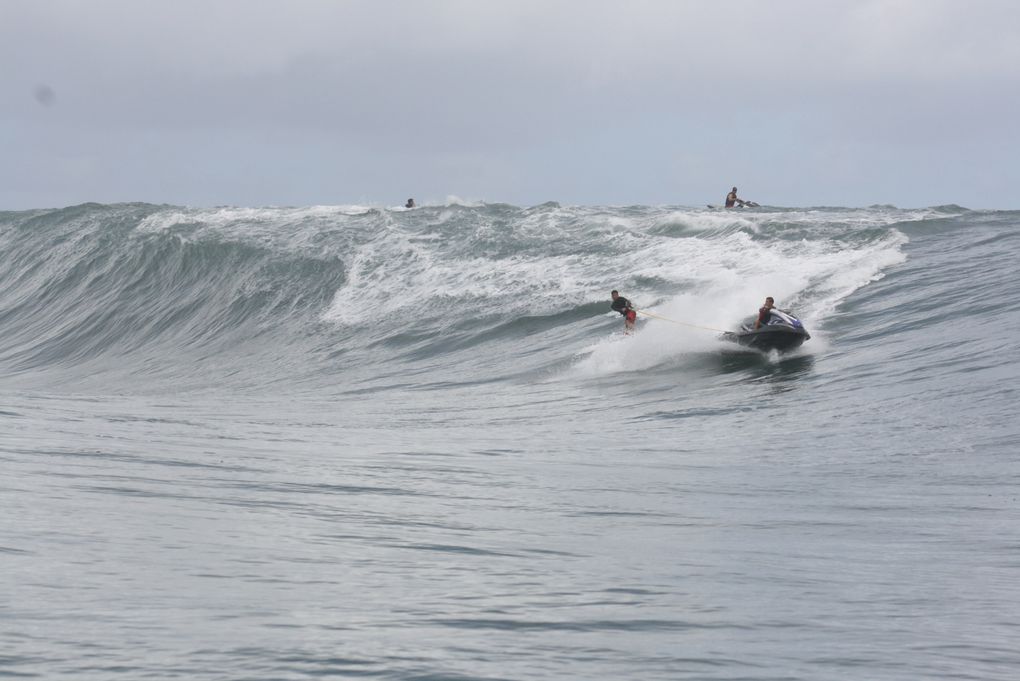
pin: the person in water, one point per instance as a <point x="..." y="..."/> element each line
<point x="732" y="200"/>
<point x="764" y="312"/>
<point x="409" y="204"/>
<point x="623" y="306"/>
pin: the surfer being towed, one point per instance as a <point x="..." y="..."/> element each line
<point x="623" y="306"/>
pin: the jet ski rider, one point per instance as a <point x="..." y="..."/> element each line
<point x="764" y="313"/>
<point x="732" y="200"/>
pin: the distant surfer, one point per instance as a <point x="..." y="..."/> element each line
<point x="409" y="204"/>
<point x="623" y="306"/>
<point x="764" y="313"/>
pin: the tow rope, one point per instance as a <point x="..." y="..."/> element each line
<point x="667" y="319"/>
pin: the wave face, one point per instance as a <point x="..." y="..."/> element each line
<point x="137" y="297"/>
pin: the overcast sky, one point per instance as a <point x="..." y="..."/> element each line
<point x="296" y="102"/>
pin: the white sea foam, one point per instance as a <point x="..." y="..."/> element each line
<point x="725" y="280"/>
<point x="729" y="279"/>
<point x="242" y="218"/>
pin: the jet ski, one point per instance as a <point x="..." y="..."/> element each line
<point x="781" y="332"/>
<point x="745" y="204"/>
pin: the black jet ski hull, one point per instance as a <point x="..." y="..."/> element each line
<point x="775" y="337"/>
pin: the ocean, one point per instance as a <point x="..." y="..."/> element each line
<point x="358" y="441"/>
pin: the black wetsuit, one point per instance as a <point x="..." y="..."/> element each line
<point x="621" y="305"/>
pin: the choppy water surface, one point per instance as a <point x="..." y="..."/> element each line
<point x="360" y="442"/>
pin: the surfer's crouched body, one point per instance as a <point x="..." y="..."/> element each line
<point x="623" y="306"/>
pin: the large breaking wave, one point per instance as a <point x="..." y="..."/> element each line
<point x="135" y="297"/>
